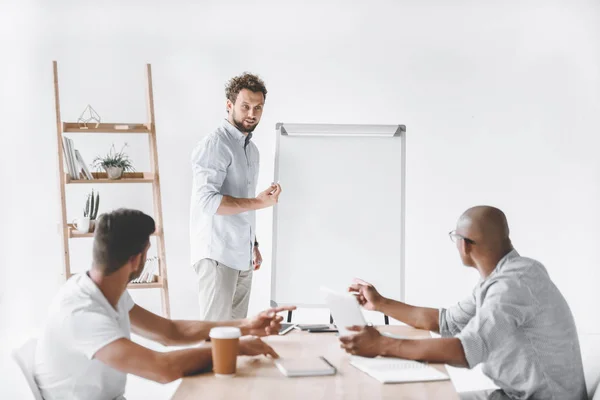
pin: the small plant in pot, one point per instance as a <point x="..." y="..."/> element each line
<point x="91" y="208"/>
<point x="114" y="163"/>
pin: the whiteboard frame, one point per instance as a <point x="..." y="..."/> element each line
<point x="341" y="130"/>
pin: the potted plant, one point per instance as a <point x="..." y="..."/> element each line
<point x="91" y="208"/>
<point x="114" y="163"/>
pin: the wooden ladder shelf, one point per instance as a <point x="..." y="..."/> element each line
<point x="152" y="177"/>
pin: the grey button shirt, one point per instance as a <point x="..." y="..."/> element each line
<point x="223" y="163"/>
<point x="517" y="323"/>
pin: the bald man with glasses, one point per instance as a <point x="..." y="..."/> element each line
<point x="515" y="322"/>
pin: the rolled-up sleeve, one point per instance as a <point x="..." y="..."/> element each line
<point x="209" y="168"/>
<point x="506" y="305"/>
<point x="454" y="319"/>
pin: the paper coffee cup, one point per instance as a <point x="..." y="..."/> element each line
<point x="225" y="347"/>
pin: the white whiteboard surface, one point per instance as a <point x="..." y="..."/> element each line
<point x="341" y="211"/>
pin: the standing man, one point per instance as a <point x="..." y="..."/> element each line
<point x="515" y="322"/>
<point x="224" y="249"/>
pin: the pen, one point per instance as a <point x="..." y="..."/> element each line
<point x="328" y="363"/>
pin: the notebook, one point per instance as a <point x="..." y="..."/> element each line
<point x="397" y="370"/>
<point x="312" y="366"/>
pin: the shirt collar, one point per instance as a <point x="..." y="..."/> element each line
<point x="236" y="133"/>
<point x="504" y="260"/>
<point x="90" y="287"/>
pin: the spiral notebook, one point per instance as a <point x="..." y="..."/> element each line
<point x="397" y="370"/>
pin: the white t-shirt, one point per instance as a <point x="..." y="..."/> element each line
<point x="80" y="323"/>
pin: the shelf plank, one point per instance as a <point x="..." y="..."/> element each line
<point x="113" y="127"/>
<point x="153" y="285"/>
<point x="126" y="175"/>
<point x="73" y="234"/>
<point x="148" y="178"/>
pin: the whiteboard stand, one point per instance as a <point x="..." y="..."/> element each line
<point x="341" y="213"/>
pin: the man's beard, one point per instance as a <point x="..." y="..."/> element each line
<point x="136" y="274"/>
<point x="240" y="124"/>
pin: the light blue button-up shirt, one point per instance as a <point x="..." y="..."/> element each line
<point x="517" y="323"/>
<point x="223" y="163"/>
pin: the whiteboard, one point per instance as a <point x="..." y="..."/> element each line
<point x="341" y="211"/>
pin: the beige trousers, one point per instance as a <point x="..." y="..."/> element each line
<point x="224" y="293"/>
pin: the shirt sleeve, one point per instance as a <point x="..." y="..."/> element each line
<point x="454" y="319"/>
<point x="89" y="331"/>
<point x="126" y="301"/>
<point x="209" y="168"/>
<point x="506" y="305"/>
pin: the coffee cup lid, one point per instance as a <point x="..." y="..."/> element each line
<point x="225" y="332"/>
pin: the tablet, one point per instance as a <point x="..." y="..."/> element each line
<point x="286" y="328"/>
<point x="344" y="309"/>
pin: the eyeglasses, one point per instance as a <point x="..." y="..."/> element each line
<point x="455" y="237"/>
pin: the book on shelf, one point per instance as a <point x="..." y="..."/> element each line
<point x="75" y="165"/>
<point x="149" y="272"/>
<point x="73" y="158"/>
<point x="83" y="166"/>
<point x="67" y="158"/>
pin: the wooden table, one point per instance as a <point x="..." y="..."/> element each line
<point x="259" y="379"/>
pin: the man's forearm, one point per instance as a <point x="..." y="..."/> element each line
<point x="180" y="363"/>
<point x="444" y="351"/>
<point x="418" y="317"/>
<point x="233" y="205"/>
<point x="187" y="332"/>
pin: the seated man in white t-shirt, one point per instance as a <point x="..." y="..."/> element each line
<point x="85" y="351"/>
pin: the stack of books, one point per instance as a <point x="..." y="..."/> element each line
<point x="149" y="273"/>
<point x="74" y="162"/>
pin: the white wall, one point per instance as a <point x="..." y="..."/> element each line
<point x="500" y="101"/>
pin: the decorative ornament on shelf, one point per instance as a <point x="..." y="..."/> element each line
<point x="88" y="115"/>
<point x="114" y="163"/>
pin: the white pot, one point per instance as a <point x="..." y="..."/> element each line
<point x="82" y="225"/>
<point x="114" y="172"/>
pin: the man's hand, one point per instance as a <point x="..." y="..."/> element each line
<point x="266" y="323"/>
<point x="367" y="342"/>
<point x="367" y="295"/>
<point x="256" y="347"/>
<point x="269" y="197"/>
<point x="257" y="262"/>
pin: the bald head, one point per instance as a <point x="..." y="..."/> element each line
<point x="486" y="226"/>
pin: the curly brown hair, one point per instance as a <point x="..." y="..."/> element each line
<point x="245" y="81"/>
